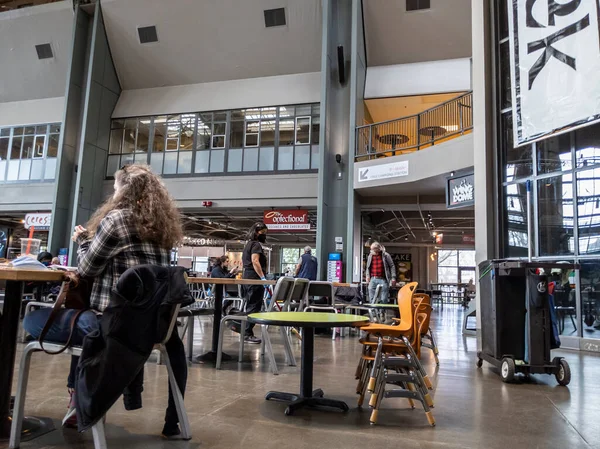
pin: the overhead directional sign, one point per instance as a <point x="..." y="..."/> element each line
<point x="383" y="171"/>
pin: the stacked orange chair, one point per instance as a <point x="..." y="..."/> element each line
<point x="427" y="337"/>
<point x="391" y="357"/>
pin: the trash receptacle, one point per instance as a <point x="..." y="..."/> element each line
<point x="516" y="323"/>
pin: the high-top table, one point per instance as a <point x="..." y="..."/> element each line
<point x="211" y="356"/>
<point x="307" y="321"/>
<point x="9" y="324"/>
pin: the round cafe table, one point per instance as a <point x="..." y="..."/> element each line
<point x="307" y="321"/>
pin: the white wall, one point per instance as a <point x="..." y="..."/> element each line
<point x="26" y="197"/>
<point x="282" y="191"/>
<point x="452" y="155"/>
<point x="422" y="78"/>
<point x="252" y="92"/>
<point x="31" y="112"/>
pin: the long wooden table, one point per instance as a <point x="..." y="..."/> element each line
<point x="9" y="324"/>
<point x="211" y="356"/>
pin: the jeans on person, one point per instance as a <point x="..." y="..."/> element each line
<point x="59" y="332"/>
<point x="384" y="296"/>
<point x="88" y="322"/>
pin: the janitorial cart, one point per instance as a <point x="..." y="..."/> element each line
<point x="516" y="318"/>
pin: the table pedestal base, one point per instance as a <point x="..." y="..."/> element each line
<point x="32" y="428"/>
<point x="211" y="357"/>
<point x="297" y="402"/>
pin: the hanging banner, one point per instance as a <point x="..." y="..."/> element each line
<point x="287" y="220"/>
<point x="555" y="62"/>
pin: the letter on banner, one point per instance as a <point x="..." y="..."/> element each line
<point x="555" y="66"/>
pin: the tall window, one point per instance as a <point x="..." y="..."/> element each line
<point x="289" y="259"/>
<point x="456" y="265"/>
<point x="274" y="138"/>
<point x="565" y="200"/>
<point x="29" y="153"/>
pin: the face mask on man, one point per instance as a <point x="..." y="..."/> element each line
<point x="262" y="238"/>
<point x="46" y="263"/>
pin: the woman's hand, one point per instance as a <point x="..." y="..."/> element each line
<point x="79" y="230"/>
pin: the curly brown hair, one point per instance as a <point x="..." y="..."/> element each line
<point x="155" y="215"/>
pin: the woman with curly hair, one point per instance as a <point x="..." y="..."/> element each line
<point x="139" y="224"/>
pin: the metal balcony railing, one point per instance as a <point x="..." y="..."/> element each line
<point x="416" y="132"/>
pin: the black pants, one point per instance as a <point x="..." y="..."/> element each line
<point x="176" y="353"/>
<point x="253" y="294"/>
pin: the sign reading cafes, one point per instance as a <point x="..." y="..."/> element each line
<point x="555" y="61"/>
<point x="287" y="220"/>
<point x="40" y="221"/>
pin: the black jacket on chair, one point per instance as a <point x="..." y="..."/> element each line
<point x="138" y="317"/>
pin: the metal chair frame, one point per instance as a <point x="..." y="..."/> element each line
<point x="98" y="430"/>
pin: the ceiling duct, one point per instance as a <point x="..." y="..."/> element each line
<point x="147" y="35"/>
<point x="44" y="51"/>
<point x="275" y="17"/>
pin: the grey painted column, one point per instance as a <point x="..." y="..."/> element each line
<point x="334" y="179"/>
<point x="483" y="136"/>
<point x="101" y="96"/>
<point x="358" y="77"/>
<point x="92" y="93"/>
<point x="66" y="166"/>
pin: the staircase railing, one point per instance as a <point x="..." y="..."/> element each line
<point x="416" y="132"/>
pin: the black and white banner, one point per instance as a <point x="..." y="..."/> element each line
<point x="555" y="66"/>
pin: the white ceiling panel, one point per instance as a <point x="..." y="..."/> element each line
<point x="203" y="41"/>
<point x="395" y="36"/>
<point x="22" y="75"/>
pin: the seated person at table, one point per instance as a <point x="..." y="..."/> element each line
<point x="138" y="225"/>
<point x="221" y="270"/>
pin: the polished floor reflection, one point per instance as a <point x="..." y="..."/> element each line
<point x="473" y="408"/>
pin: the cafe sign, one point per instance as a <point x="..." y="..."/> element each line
<point x="39" y="221"/>
<point x="554" y="65"/>
<point x="287" y="220"/>
<point x="460" y="191"/>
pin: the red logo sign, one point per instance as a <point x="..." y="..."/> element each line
<point x="286" y="220"/>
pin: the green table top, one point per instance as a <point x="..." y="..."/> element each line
<point x="307" y="319"/>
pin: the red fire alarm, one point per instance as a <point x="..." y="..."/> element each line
<point x="207" y="203"/>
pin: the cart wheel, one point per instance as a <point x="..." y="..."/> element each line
<point x="563" y="375"/>
<point x="479" y="363"/>
<point x="507" y="370"/>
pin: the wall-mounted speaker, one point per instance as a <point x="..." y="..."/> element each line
<point x="341" y="64"/>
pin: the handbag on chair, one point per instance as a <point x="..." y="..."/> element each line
<point x="74" y="294"/>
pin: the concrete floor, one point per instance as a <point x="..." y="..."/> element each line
<point x="473" y="408"/>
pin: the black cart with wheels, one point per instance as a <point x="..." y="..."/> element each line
<point x="516" y="326"/>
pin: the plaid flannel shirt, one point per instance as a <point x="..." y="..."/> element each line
<point x="114" y="248"/>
